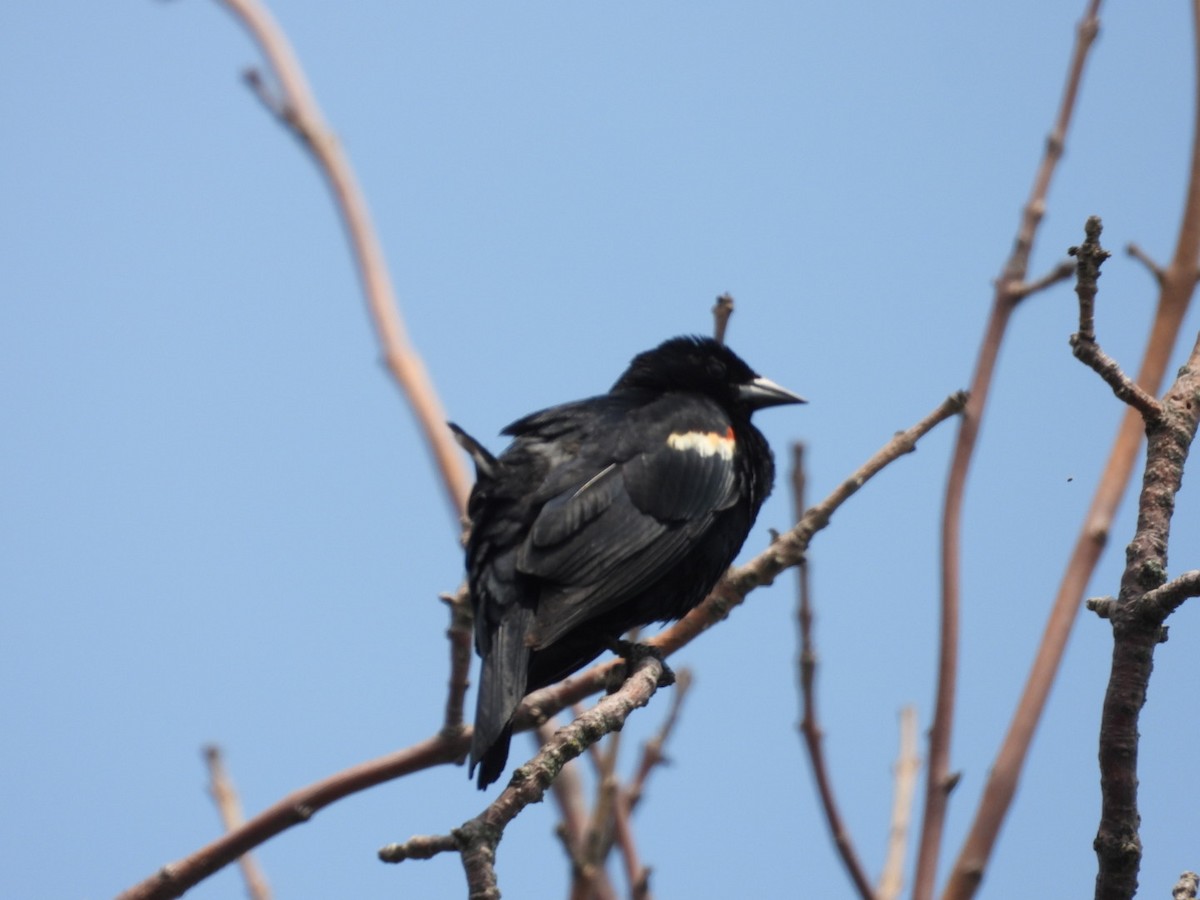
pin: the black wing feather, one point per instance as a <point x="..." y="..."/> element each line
<point x="595" y="547"/>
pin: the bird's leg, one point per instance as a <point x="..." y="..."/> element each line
<point x="633" y="652"/>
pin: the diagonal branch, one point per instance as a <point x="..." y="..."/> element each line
<point x="297" y="109"/>
<point x="230" y="807"/>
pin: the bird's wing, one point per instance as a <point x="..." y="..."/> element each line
<point x="599" y="543"/>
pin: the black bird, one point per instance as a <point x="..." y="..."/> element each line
<point x="607" y="514"/>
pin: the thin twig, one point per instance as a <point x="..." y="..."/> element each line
<point x="568" y="795"/>
<point x="477" y="838"/>
<point x="588" y="881"/>
<point x="1061" y="272"/>
<point x="1155" y="270"/>
<point x="908" y="765"/>
<point x="225" y="796"/>
<point x="810" y="728"/>
<point x="460" y="634"/>
<point x="296" y="108"/>
<point x="721" y="311"/>
<point x="1090" y="256"/>
<point x="1186" y="887"/>
<point x="421" y="846"/>
<point x="598" y="836"/>
<point x="636" y="873"/>
<point x="173" y="879"/>
<point x="652" y="751"/>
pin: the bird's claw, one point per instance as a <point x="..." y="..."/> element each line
<point x="633" y="653"/>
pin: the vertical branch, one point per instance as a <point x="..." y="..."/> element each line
<point x="1177" y="286"/>
<point x="297" y="109"/>
<point x="459" y="634"/>
<point x="908" y="764"/>
<point x="1009" y="292"/>
<point x="721" y="311"/>
<point x="809" y="726"/>
<point x="1144" y="602"/>
<point x="230" y="808"/>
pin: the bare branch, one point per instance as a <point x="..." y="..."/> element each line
<point x="1155" y="270"/>
<point x="1143" y="603"/>
<point x="225" y="796"/>
<point x="636" y="873"/>
<point x="652" y="751"/>
<point x="478" y="837"/>
<point x="460" y="635"/>
<point x="1005" y="299"/>
<point x="1090" y="256"/>
<point x="598" y="838"/>
<point x="721" y="311"/>
<point x="1061" y="272"/>
<point x="1004" y="774"/>
<point x="296" y="107"/>
<point x="908" y="765"/>
<point x="1162" y="601"/>
<point x="809" y="725"/>
<point x="421" y="846"/>
<point x="1186" y="887"/>
<point x="175" y="878"/>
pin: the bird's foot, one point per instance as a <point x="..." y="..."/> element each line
<point x="633" y="653"/>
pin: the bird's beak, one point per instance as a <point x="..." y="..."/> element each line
<point x="763" y="392"/>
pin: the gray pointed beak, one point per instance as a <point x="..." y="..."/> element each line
<point x="763" y="392"/>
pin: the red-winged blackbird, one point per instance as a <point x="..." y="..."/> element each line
<point x="607" y="514"/>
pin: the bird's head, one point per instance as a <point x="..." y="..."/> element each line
<point x="701" y="365"/>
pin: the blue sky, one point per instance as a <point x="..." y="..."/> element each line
<point x="217" y="522"/>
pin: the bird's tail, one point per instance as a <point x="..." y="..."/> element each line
<point x="485" y="463"/>
<point x="501" y="688"/>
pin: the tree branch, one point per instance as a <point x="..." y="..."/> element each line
<point x="297" y="109"/>
<point x="1186" y="887"/>
<point x="229" y="807"/>
<point x="908" y="765"/>
<point x="1090" y="256"/>
<point x="1162" y="601"/>
<point x="938" y="779"/>
<point x="1155" y="270"/>
<point x="460" y="634"/>
<point x="174" y="879"/>
<point x="721" y="311"/>
<point x="810" y="728"/>
<point x="477" y="838"/>
<point x="1142" y="605"/>
<point x="1178" y="284"/>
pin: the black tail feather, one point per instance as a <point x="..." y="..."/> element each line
<point x="502" y="682"/>
<point x="485" y="463"/>
<point x="491" y="764"/>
